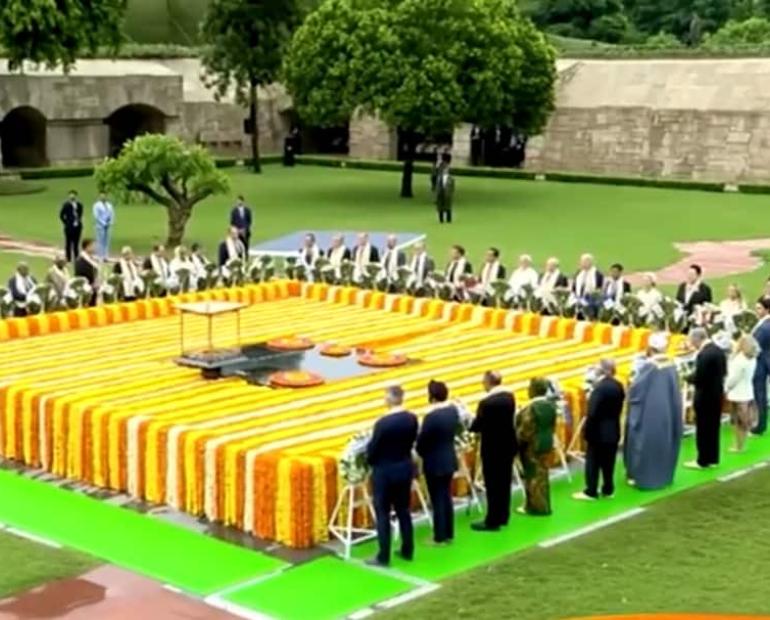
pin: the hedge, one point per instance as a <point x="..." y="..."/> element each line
<point x="567" y="177"/>
<point x="15" y="187"/>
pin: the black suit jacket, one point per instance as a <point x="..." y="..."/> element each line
<point x="605" y="407"/>
<point x="561" y="280"/>
<point x="241" y="222"/>
<point x="494" y="422"/>
<point x="710" y="372"/>
<point x="390" y="449"/>
<point x="374" y="254"/>
<point x="84" y="269"/>
<point x="436" y="441"/>
<point x="599" y="280"/>
<point x="701" y="296"/>
<point x="346" y="255"/>
<point x="72" y="215"/>
<point x="223" y="254"/>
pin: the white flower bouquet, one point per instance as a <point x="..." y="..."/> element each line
<point x="354" y="467"/>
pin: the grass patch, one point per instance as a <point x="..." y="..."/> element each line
<point x="26" y="564"/>
<point x="15" y="187"/>
<point x="704" y="550"/>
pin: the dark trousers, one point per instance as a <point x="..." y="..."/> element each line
<point x="72" y="242"/>
<point x="245" y="238"/>
<point x="393" y="494"/>
<point x="760" y="397"/>
<point x="440" y="491"/>
<point x="708" y="416"/>
<point x="600" y="458"/>
<point x="498" y="474"/>
<point x="19" y="312"/>
<point x="445" y="215"/>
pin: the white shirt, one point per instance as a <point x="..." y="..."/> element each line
<point x="649" y="298"/>
<point x="739" y="385"/>
<point x="521" y="277"/>
<point x="489" y="273"/>
<point x="104" y="214"/>
<point x="731" y="307"/>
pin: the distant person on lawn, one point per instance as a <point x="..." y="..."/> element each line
<point x="20" y="286"/>
<point x="240" y="218"/>
<point x="494" y="423"/>
<point x="390" y="455"/>
<point x="436" y="447"/>
<point x="654" y="424"/>
<point x="602" y="432"/>
<point x="445" y="189"/>
<point x="71" y="216"/>
<point x="761" y="333"/>
<point x="104" y="219"/>
<point x="739" y="388"/>
<point x="708" y="380"/>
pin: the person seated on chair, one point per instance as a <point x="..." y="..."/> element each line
<point x="492" y="271"/>
<point x="87" y="266"/>
<point x="309" y="253"/>
<point x="602" y="432"/>
<point x="457" y="267"/>
<point x="389" y="454"/>
<point x="436" y="447"/>
<point x="58" y="277"/>
<point x="338" y="253"/>
<point x="523" y="276"/>
<point x="392" y="259"/>
<point x="550" y="280"/>
<point x="20" y="286"/>
<point x="421" y="267"/>
<point x="363" y="254"/>
<point x="131" y="283"/>
<point x="535" y="426"/>
<point x="615" y="285"/>
<point x="231" y="248"/>
<point x="158" y="264"/>
<point x="588" y="281"/>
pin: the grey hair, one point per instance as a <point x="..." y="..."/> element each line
<point x="394" y="395"/>
<point x="607" y="366"/>
<point x="699" y="335"/>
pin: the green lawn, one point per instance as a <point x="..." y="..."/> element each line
<point x="706" y="549"/>
<point x="636" y="226"/>
<point x="9" y="260"/>
<point x="34" y="564"/>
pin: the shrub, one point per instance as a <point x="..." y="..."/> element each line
<point x="753" y="31"/>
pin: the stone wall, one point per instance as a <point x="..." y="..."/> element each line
<point x="371" y="138"/>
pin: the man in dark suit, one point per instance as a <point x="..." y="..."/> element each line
<point x="693" y="291"/>
<point x="390" y="455"/>
<point x="708" y="380"/>
<point x="87" y="266"/>
<point x="231" y="248"/>
<point x="602" y="432"/>
<point x="240" y="218"/>
<point x="436" y="447"/>
<point x="421" y="266"/>
<point x="494" y="423"/>
<point x="445" y="189"/>
<point x="588" y="282"/>
<point x="71" y="216"/>
<point x="761" y="333"/>
<point x="615" y="285"/>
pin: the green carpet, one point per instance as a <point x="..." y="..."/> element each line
<point x="321" y="590"/>
<point x="182" y="558"/>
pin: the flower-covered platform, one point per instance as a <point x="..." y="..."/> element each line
<point x="94" y="394"/>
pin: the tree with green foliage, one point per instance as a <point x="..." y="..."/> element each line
<point x="753" y="31"/>
<point x="56" y="33"/>
<point x="602" y="20"/>
<point x="423" y="66"/>
<point x="245" y="41"/>
<point x="689" y="20"/>
<point x="170" y="172"/>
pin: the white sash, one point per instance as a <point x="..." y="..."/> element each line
<point x="418" y="268"/>
<point x="131" y="280"/>
<point x="489" y="273"/>
<point x="363" y="256"/>
<point x="312" y="253"/>
<point x="24" y="285"/>
<point x="614" y="289"/>
<point x="455" y="271"/>
<point x="336" y="256"/>
<point x="585" y="283"/>
<point x="234" y="249"/>
<point x="521" y="278"/>
<point x="160" y="267"/>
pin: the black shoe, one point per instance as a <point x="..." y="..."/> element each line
<point x="482" y="526"/>
<point x="404" y="556"/>
<point x="376" y="562"/>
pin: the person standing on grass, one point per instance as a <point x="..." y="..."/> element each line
<point x="654" y="424"/>
<point x="494" y="423"/>
<point x="739" y="388"/>
<point x="389" y="454"/>
<point x="708" y="380"/>
<point x="761" y="333"/>
<point x="436" y="447"/>
<point x="71" y="217"/>
<point x="445" y="189"/>
<point x="104" y="218"/>
<point x="602" y="432"/>
<point x="240" y="218"/>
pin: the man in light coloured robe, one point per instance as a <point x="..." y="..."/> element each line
<point x="492" y="271"/>
<point x="180" y="263"/>
<point x="132" y="285"/>
<point x="363" y="255"/>
<point x="58" y="276"/>
<point x="20" y="286"/>
<point x="337" y="254"/>
<point x="523" y="276"/>
<point x="392" y="259"/>
<point x="654" y="425"/>
<point x="550" y="280"/>
<point x="158" y="263"/>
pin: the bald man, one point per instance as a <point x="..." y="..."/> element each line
<point x="494" y="424"/>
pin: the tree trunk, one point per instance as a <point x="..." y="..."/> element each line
<point x="408" y="173"/>
<point x="254" y="122"/>
<point x="178" y="216"/>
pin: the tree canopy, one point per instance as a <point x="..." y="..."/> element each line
<point x="170" y="172"/>
<point x="422" y="65"/>
<point x="56" y="32"/>
<point x="245" y="41"/>
<point x="603" y="20"/>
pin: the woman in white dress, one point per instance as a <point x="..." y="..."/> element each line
<point x="649" y="294"/>
<point x="739" y="388"/>
<point x="732" y="304"/>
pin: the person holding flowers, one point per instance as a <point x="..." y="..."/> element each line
<point x="436" y="447"/>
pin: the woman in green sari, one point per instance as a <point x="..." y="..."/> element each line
<point x="535" y="425"/>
